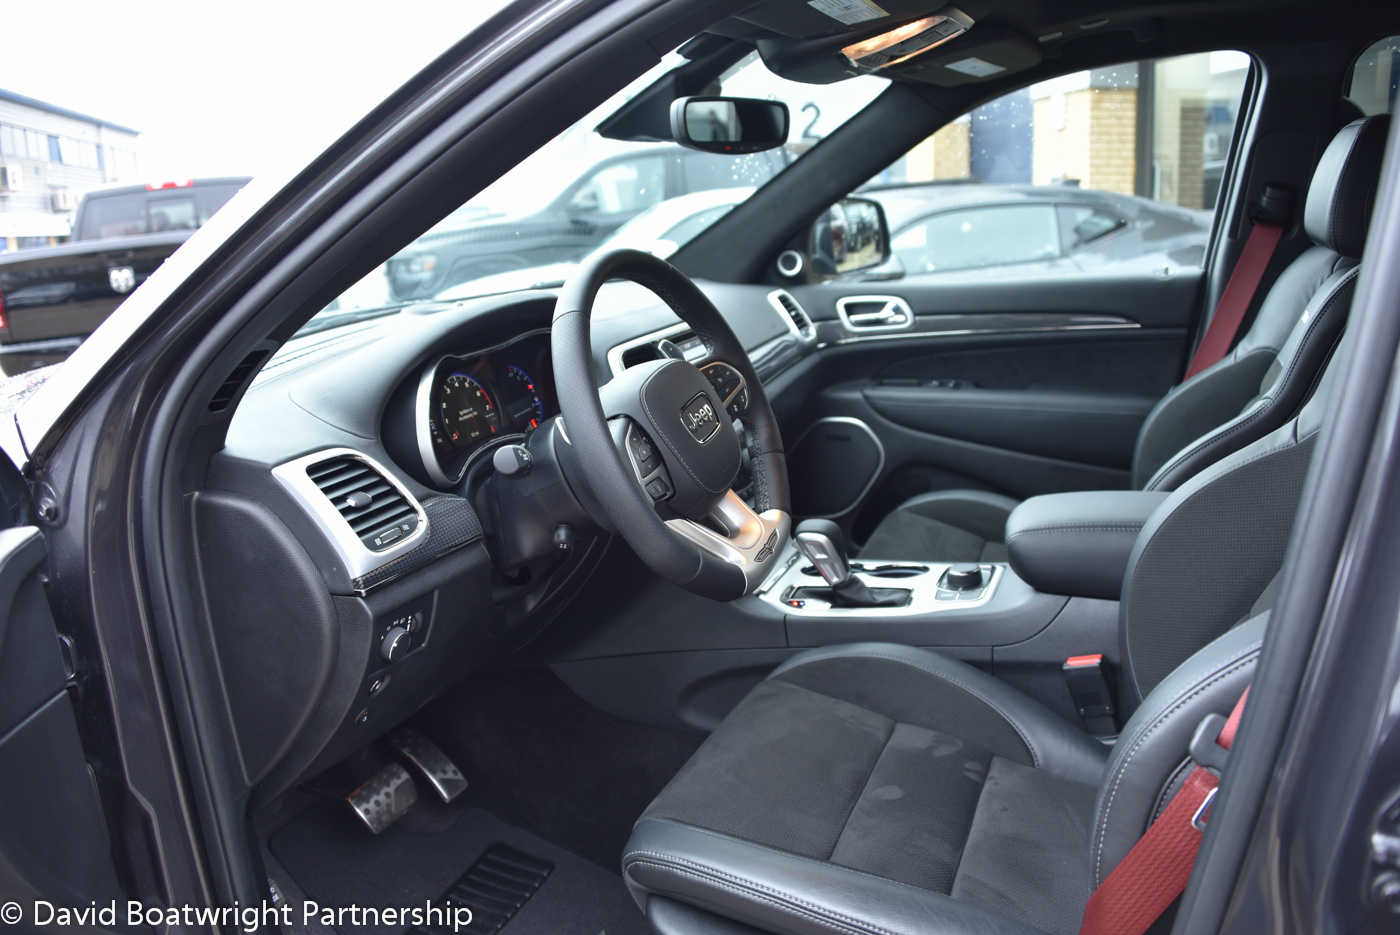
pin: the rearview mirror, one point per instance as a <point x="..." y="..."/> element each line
<point x="851" y="236"/>
<point x="729" y="124"/>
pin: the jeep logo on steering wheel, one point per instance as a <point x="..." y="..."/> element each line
<point x="699" y="418"/>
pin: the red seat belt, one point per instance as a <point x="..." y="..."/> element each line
<point x="1239" y="292"/>
<point x="1156" y="870"/>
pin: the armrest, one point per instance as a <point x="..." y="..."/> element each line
<point x="1078" y="543"/>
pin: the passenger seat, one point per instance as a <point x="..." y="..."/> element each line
<point x="1257" y="387"/>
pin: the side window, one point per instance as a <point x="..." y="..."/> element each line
<point x="998" y="235"/>
<point x="1149" y="138"/>
<point x="623" y="187"/>
<point x="1376" y="76"/>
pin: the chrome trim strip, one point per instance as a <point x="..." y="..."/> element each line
<point x="359" y="560"/>
<point x="941" y="326"/>
<point x="896" y="315"/>
<point x="875" y="476"/>
<point x="923" y="601"/>
<point x="423" y="407"/>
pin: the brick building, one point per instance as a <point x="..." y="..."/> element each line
<point x="49" y="158"/>
<point x="1157" y="129"/>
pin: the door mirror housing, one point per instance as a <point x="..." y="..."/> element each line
<point x="852" y="235"/>
<point x="731" y="125"/>
<point x="585" y="201"/>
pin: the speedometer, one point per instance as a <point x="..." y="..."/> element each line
<point x="466" y="411"/>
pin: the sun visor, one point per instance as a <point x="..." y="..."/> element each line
<point x="811" y="19"/>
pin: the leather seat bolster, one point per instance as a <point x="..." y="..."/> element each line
<point x="1078" y="543"/>
<point x="1149" y="753"/>
<point x="786" y="894"/>
<point x="1055" y="745"/>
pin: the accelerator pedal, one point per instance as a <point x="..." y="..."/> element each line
<point x="442" y="774"/>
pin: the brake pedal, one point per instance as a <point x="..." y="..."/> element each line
<point x="384" y="798"/>
<point x="442" y="774"/>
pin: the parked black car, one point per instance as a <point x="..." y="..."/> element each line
<point x="1030" y="230"/>
<point x="583" y="215"/>
<point x="51" y="298"/>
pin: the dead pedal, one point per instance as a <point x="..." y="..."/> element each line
<point x="442" y="774"/>
<point x="384" y="798"/>
<point x="495" y="888"/>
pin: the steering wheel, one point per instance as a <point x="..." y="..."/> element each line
<point x="657" y="447"/>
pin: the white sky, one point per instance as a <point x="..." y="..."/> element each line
<point x="226" y="88"/>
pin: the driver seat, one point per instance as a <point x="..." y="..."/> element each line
<point x="885" y="789"/>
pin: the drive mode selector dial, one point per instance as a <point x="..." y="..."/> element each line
<point x="963" y="577"/>
<point x="396" y="645"/>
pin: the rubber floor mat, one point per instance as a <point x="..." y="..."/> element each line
<point x="495" y="888"/>
<point x="429" y="854"/>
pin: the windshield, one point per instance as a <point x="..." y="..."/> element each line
<point x="582" y="192"/>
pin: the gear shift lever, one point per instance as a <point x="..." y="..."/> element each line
<point x="824" y="545"/>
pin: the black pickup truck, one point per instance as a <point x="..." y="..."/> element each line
<point x="51" y="298"/>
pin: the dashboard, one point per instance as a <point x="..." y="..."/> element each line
<point x="467" y="401"/>
<point x="347" y="435"/>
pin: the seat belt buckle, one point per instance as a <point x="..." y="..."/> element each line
<point x="1088" y="686"/>
<point x="1206" y="750"/>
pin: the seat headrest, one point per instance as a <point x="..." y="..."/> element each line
<point x="1344" y="184"/>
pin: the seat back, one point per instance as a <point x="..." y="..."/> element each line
<point x="1261" y="383"/>
<point x="1196" y="599"/>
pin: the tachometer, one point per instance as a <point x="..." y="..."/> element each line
<point x="467" y="413"/>
<point x="525" y="408"/>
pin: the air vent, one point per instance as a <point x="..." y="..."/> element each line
<point x="786" y="304"/>
<point x="230" y="388"/>
<point x="375" y="509"/>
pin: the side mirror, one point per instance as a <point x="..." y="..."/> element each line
<point x="585" y="201"/>
<point x="851" y="236"/>
<point x="733" y="125"/>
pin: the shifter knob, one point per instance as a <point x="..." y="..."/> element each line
<point x="825" y="547"/>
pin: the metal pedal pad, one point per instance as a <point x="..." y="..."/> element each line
<point x="384" y="798"/>
<point x="442" y="774"/>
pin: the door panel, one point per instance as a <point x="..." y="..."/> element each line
<point x="53" y="840"/>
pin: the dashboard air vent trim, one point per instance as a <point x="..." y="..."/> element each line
<point x="794" y="315"/>
<point x="355" y="501"/>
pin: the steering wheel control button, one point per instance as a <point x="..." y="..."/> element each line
<point x="699" y="418"/>
<point x="658" y="489"/>
<point x="739" y="403"/>
<point x="396" y="644"/>
<point x="513" y="461"/>
<point x="963" y="577"/>
<point x="644" y="454"/>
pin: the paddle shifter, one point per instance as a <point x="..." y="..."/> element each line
<point x="823" y="543"/>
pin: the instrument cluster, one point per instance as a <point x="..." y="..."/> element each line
<point x="468" y="401"/>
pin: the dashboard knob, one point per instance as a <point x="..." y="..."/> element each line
<point x="396" y="644"/>
<point x="513" y="460"/>
<point x="963" y="577"/>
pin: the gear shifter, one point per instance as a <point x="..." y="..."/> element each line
<point x="823" y="543"/>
